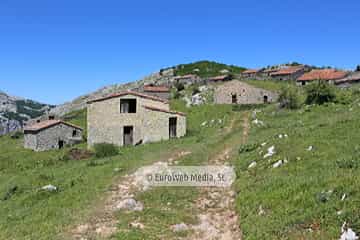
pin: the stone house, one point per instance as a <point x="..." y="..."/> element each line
<point x="187" y="79"/>
<point x="250" y="73"/>
<point x="51" y="134"/>
<point x="160" y="91"/>
<point x="132" y="118"/>
<point x="222" y="78"/>
<point x="327" y="75"/>
<point x="237" y="92"/>
<point x="288" y="73"/>
<point x="352" y="78"/>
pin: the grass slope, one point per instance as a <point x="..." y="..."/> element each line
<point x="302" y="198"/>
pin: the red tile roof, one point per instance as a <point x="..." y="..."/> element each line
<point x="287" y="71"/>
<point x="353" y="77"/>
<point x="149" y="88"/>
<point x="322" y="74"/>
<point x="47" y="124"/>
<point x="250" y="71"/>
<point x="128" y="93"/>
<point x="164" y="110"/>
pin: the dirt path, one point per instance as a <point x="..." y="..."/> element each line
<point x="218" y="219"/>
<point x="103" y="223"/>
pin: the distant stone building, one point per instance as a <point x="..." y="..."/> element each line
<point x="237" y="92"/>
<point x="51" y="134"/>
<point x="250" y="73"/>
<point x="288" y="73"/>
<point x="326" y="75"/>
<point x="352" y="78"/>
<point x="160" y="91"/>
<point x="187" y="79"/>
<point x="131" y="118"/>
<point x="222" y="78"/>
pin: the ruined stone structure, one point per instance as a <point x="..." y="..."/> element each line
<point x="237" y="92"/>
<point x="131" y="118"/>
<point x="288" y="73"/>
<point x="160" y="91"/>
<point x="51" y="134"/>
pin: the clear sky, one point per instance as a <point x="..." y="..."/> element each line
<point x="53" y="51"/>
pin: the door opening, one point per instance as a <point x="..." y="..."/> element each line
<point x="172" y="127"/>
<point x="233" y="98"/>
<point x="128" y="135"/>
<point x="266" y="100"/>
<point x="61" y="144"/>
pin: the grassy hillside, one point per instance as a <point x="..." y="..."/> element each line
<point x="302" y="198"/>
<point x="29" y="213"/>
<point x="206" y="69"/>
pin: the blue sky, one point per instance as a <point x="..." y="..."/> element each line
<point x="54" y="51"/>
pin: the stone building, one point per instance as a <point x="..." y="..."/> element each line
<point x="131" y="118"/>
<point x="222" y="78"/>
<point x="250" y="73"/>
<point x="51" y="134"/>
<point x="186" y="79"/>
<point x="288" y="73"/>
<point x="160" y="91"/>
<point x="327" y="75"/>
<point x="352" y="78"/>
<point x="237" y="92"/>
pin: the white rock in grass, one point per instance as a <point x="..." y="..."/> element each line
<point x="270" y="152"/>
<point x="348" y="234"/>
<point x="258" y="122"/>
<point x="263" y="144"/>
<point x="253" y="164"/>
<point x="285" y="135"/>
<point x="204" y="124"/>
<point x="310" y="148"/>
<point x="280" y="136"/>
<point x="343" y="197"/>
<point x="130" y="204"/>
<point x="180" y="227"/>
<point x="278" y="164"/>
<point x="261" y="211"/>
<point x="50" y="188"/>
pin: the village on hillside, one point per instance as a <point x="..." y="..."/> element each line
<point x="142" y="114"/>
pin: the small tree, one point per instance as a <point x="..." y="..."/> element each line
<point x="290" y="98"/>
<point x="103" y="150"/>
<point x="320" y="93"/>
<point x="179" y="86"/>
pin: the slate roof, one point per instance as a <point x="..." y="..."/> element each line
<point x="48" y="123"/>
<point x="287" y="71"/>
<point x="353" y="77"/>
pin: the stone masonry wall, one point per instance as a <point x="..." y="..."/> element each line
<point x="49" y="138"/>
<point x="106" y="123"/>
<point x="245" y="93"/>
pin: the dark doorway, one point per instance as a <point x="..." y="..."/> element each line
<point x="128" y="106"/>
<point x="128" y="135"/>
<point x="61" y="144"/>
<point x="233" y="98"/>
<point x="172" y="127"/>
<point x="51" y="117"/>
<point x="266" y="100"/>
<point x="74" y="133"/>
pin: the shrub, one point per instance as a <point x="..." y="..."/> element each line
<point x="248" y="147"/>
<point x="290" y="98"/>
<point x="344" y="96"/>
<point x="179" y="86"/>
<point x="320" y="93"/>
<point x="105" y="150"/>
<point x="17" y="135"/>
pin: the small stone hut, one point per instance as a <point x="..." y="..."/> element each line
<point x="237" y="92"/>
<point x="132" y="118"/>
<point x="51" y="134"/>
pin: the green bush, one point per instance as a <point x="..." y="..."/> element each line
<point x="320" y="93"/>
<point x="179" y="86"/>
<point x="105" y="150"/>
<point x="290" y="97"/>
<point x="248" y="147"/>
<point x="344" y="96"/>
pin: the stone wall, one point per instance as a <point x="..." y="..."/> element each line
<point x="49" y="138"/>
<point x="106" y="123"/>
<point x="245" y="93"/>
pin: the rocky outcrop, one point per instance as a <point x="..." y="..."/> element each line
<point x="15" y="111"/>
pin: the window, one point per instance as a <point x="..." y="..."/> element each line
<point x="74" y="133"/>
<point x="127" y="105"/>
<point x="51" y="117"/>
